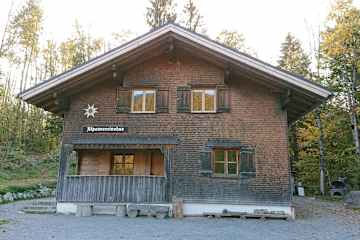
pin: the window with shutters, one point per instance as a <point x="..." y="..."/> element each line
<point x="232" y="162"/>
<point x="226" y="162"/>
<point x="143" y="101"/>
<point x="203" y="100"/>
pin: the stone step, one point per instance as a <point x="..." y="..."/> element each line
<point x="39" y="210"/>
<point x="44" y="203"/>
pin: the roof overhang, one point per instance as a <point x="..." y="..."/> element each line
<point x="301" y="88"/>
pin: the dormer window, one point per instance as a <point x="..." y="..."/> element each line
<point x="143" y="101"/>
<point x="203" y="100"/>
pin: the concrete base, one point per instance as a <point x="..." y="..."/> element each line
<point x="84" y="210"/>
<point x="66" y="208"/>
<point x="191" y="209"/>
<point x="198" y="209"/>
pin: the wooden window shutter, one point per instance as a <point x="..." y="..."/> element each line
<point x="123" y="100"/>
<point x="247" y="161"/>
<point x="205" y="163"/>
<point x="223" y="98"/>
<point x="183" y="99"/>
<point x="162" y="101"/>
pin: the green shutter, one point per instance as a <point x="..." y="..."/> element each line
<point x="205" y="163"/>
<point x="247" y="161"/>
<point x="183" y="99"/>
<point x="123" y="99"/>
<point x="223" y="98"/>
<point x="162" y="101"/>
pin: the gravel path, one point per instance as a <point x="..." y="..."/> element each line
<point x="317" y="220"/>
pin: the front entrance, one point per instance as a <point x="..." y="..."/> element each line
<point x="129" y="162"/>
<point x="117" y="176"/>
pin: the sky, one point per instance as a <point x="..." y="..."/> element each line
<point x="263" y="23"/>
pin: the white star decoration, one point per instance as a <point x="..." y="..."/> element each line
<point x="90" y="111"/>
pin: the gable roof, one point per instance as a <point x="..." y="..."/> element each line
<point x="315" y="90"/>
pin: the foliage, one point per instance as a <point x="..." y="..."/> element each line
<point x="3" y="221"/>
<point x="160" y="12"/>
<point x="193" y="20"/>
<point x="234" y="40"/>
<point x="28" y="134"/>
<point x="78" y="49"/>
<point x="334" y="60"/>
<point x="293" y="57"/>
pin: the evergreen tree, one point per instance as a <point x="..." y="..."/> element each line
<point x="294" y="59"/>
<point x="160" y="12"/>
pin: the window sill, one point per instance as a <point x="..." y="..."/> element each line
<point x="202" y="112"/>
<point x="240" y="176"/>
<point x="142" y="112"/>
<point x="225" y="176"/>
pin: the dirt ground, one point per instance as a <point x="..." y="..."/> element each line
<point x="316" y="219"/>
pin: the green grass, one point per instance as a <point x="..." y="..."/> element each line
<point x="328" y="198"/>
<point x="19" y="179"/>
<point x="3" y="221"/>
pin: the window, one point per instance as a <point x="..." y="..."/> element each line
<point x="226" y="162"/>
<point x="123" y="164"/>
<point x="232" y="162"/>
<point x="143" y="101"/>
<point x="203" y="100"/>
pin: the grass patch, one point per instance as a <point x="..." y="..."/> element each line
<point x="22" y="185"/>
<point x="40" y="169"/>
<point x="3" y="221"/>
<point x="328" y="198"/>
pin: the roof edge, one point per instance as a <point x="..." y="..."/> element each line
<point x="269" y="69"/>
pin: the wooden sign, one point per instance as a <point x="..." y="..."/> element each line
<point x="104" y="129"/>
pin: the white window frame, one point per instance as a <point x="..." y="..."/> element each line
<point x="144" y="100"/>
<point x="226" y="162"/>
<point x="203" y="100"/>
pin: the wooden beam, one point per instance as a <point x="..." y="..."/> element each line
<point x="62" y="103"/>
<point x="285" y="99"/>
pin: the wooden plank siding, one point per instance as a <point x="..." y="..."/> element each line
<point x="114" y="189"/>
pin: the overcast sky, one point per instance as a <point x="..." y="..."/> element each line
<point x="264" y="23"/>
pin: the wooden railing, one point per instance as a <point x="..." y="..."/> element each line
<point x="114" y="189"/>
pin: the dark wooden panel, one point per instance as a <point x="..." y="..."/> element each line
<point x="111" y="189"/>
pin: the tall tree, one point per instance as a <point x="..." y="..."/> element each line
<point x="341" y="46"/>
<point x="78" y="49"/>
<point x="234" y="40"/>
<point x="294" y="59"/>
<point x="192" y="17"/>
<point x="160" y="12"/>
<point x="26" y="26"/>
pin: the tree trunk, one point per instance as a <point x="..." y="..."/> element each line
<point x="321" y="151"/>
<point x="353" y="107"/>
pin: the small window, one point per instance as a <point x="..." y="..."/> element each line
<point x="203" y="100"/>
<point x="143" y="101"/>
<point x="123" y="164"/>
<point x="232" y="162"/>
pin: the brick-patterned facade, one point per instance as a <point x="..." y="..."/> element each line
<point x="255" y="119"/>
